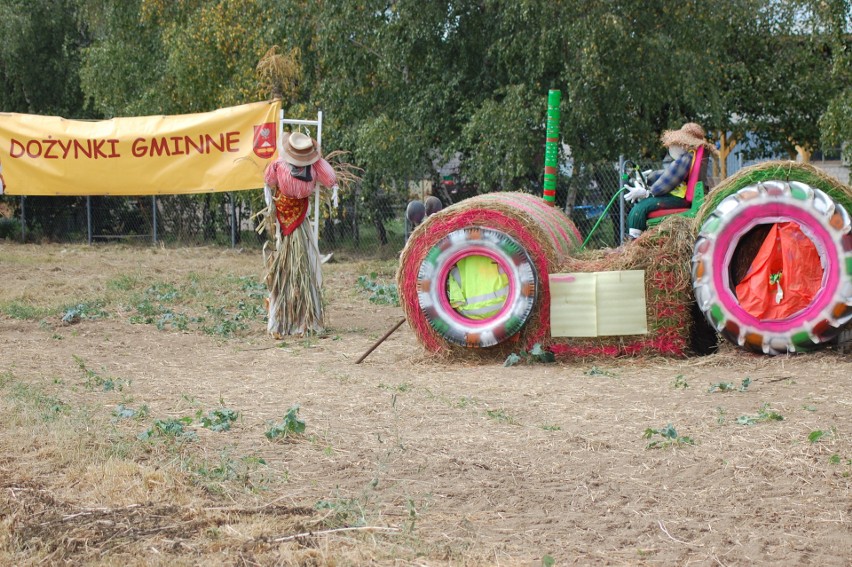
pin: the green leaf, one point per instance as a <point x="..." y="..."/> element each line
<point x="512" y="360"/>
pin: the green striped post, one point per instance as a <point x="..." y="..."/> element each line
<point x="551" y="146"/>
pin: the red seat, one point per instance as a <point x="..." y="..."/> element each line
<point x="695" y="174"/>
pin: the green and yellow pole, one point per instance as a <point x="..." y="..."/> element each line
<point x="551" y="147"/>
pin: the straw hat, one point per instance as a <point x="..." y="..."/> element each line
<point x="690" y="136"/>
<point x="299" y="149"/>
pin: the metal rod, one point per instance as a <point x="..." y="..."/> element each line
<point x="89" y="217"/>
<point x="23" y="220"/>
<point x="233" y="221"/>
<point x="154" y="216"/>
<point x="302" y="122"/>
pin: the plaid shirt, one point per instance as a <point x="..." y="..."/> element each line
<point x="666" y="180"/>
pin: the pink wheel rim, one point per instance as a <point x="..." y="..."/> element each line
<point x="744" y="222"/>
<point x="443" y="274"/>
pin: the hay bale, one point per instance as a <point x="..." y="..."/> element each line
<point x="664" y="254"/>
<point x="780" y="171"/>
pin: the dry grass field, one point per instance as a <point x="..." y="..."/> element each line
<point x="146" y="419"/>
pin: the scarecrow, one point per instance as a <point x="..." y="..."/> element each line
<point x="667" y="186"/>
<point x="294" y="277"/>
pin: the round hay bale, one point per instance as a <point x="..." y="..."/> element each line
<point x="542" y="234"/>
<point x="738" y="220"/>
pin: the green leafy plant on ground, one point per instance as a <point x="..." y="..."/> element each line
<point x="171" y="429"/>
<point x="668" y="438"/>
<point x="95" y="380"/>
<point x="535" y="355"/>
<point x="125" y="412"/>
<point x="595" y="371"/>
<point x="680" y="382"/>
<point x="763" y="414"/>
<point x="291" y="425"/>
<point x="219" y="419"/>
<point x="382" y="294"/>
<point x="80" y="311"/>
<point x="501" y="416"/>
<point x="729" y="386"/>
<point x="818" y="434"/>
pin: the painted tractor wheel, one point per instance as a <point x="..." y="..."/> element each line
<point x="434" y="274"/>
<point x="727" y="243"/>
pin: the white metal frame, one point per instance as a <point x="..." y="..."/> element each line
<point x="318" y="124"/>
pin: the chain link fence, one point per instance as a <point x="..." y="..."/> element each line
<point x="366" y="224"/>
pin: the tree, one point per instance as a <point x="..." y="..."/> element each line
<point x="40" y="58"/>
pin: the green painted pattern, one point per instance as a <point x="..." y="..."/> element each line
<point x="513" y="325"/>
<point x="712" y="225"/>
<point x="849" y="264"/>
<point x="798" y="193"/>
<point x="432" y="256"/>
<point x="716" y="314"/>
<point x="440" y="326"/>
<point x="802" y="341"/>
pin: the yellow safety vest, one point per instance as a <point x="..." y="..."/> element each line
<point x="477" y="287"/>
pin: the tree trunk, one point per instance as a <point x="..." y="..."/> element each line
<point x="726" y="146"/>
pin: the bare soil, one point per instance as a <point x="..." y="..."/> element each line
<point x="406" y="459"/>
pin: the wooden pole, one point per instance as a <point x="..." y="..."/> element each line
<point x="380" y="341"/>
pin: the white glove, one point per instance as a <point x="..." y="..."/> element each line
<point x="647" y="173"/>
<point x="636" y="193"/>
<point x="334" y="199"/>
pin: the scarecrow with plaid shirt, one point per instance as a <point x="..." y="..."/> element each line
<point x="667" y="186"/>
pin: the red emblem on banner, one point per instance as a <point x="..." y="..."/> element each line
<point x="264" y="140"/>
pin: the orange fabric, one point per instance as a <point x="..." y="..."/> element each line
<point x="290" y="212"/>
<point x="788" y="252"/>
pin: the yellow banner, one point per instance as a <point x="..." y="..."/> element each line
<point x="223" y="150"/>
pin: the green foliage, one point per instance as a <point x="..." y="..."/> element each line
<point x="172" y="429"/>
<point x="292" y="424"/>
<point x="381" y="294"/>
<point x="226" y="468"/>
<point x="95" y="380"/>
<point x="48" y="407"/>
<point x="40" y="57"/>
<point x="763" y="414"/>
<point x="125" y="412"/>
<point x="535" y="355"/>
<point x="80" y="311"/>
<point x="595" y="371"/>
<point x="818" y="434"/>
<point x="343" y="512"/>
<point x="25" y="311"/>
<point x="668" y="437"/>
<point x="501" y="416"/>
<point x="729" y="386"/>
<point x="219" y="419"/>
<point x="680" y="382"/>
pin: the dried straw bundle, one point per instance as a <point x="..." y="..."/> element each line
<point x="294" y="281"/>
<point x="781" y="171"/>
<point x="544" y="232"/>
<point x="664" y="253"/>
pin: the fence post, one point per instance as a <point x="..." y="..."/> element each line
<point x="23" y="221"/>
<point x="621" y="210"/>
<point x="89" y="218"/>
<point x="233" y="220"/>
<point x="154" y="216"/>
